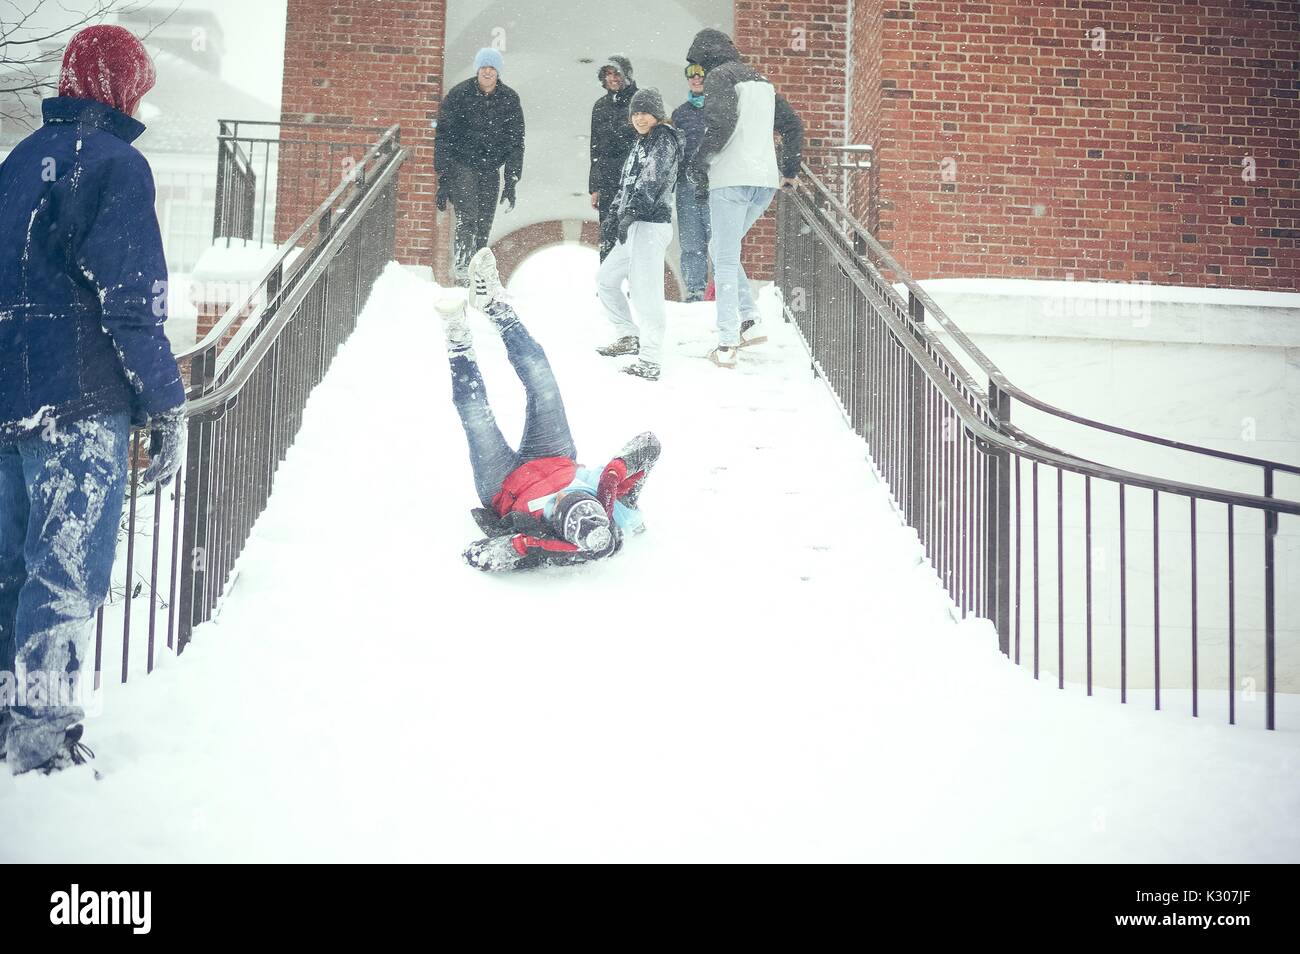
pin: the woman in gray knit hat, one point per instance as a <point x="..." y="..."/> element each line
<point x="642" y="216"/>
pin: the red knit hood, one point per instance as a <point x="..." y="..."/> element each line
<point x="109" y="65"/>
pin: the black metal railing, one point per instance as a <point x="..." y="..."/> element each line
<point x="1105" y="576"/>
<point x="247" y="390"/>
<point x="850" y="173"/>
<point x="254" y="203"/>
<point x="235" y="204"/>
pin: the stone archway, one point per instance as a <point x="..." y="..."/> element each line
<point x="512" y="248"/>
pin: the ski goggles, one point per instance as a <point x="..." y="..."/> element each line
<point x="694" y="70"/>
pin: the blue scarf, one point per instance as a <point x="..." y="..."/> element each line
<point x="695" y="99"/>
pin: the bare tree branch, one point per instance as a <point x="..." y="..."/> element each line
<point x="102" y="9"/>
<point x="31" y="73"/>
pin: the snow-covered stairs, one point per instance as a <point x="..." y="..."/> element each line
<point x="770" y="672"/>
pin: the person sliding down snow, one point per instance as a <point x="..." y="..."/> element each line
<point x="540" y="507"/>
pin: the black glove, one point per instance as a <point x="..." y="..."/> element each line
<point x="698" y="173"/>
<point x="444" y="193"/>
<point x="624" y="225"/>
<point x="508" y="195"/>
<point x="166" y="446"/>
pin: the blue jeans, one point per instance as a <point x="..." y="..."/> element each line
<point x="61" y="491"/>
<point x="693" y="236"/>
<point x="546" y="429"/>
<point x="733" y="210"/>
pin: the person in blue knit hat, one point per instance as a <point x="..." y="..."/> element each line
<point x="480" y="129"/>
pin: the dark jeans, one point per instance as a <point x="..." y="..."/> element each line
<point x="693" y="236"/>
<point x="61" y="490"/>
<point x="546" y="429"/>
<point x="474" y="194"/>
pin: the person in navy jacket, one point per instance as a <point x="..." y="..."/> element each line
<point x="692" y="214"/>
<point x="83" y="357"/>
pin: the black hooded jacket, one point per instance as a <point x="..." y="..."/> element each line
<point x="612" y="134"/>
<point x="645" y="191"/>
<point x="724" y="71"/>
<point x="480" y="131"/>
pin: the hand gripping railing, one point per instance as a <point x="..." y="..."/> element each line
<point x="1022" y="533"/>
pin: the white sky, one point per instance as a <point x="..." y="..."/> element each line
<point x="253" y="31"/>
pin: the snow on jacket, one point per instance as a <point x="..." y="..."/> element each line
<point x="83" y="278"/>
<point x="645" y="190"/>
<point x="742" y="110"/>
<point x="690" y="121"/>
<point x="612" y="138"/>
<point x="480" y="130"/>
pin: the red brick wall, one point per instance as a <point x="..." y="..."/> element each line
<point x="867" y="38"/>
<point x="801" y="46"/>
<point x="373" y="64"/>
<point x="1107" y="156"/>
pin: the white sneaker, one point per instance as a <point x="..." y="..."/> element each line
<point x="484" y="279"/>
<point x="451" y="310"/>
<point x="724" y="357"/>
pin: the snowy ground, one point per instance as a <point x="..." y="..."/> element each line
<point x="771" y="672"/>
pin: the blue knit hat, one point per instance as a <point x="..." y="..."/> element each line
<point x="488" y="57"/>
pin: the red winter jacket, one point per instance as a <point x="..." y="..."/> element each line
<point x="533" y="481"/>
<point x="538" y="479"/>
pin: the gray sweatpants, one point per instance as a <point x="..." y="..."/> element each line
<point x="641" y="261"/>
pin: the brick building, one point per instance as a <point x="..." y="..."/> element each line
<point x="1114" y="139"/>
<point x="1104" y="139"/>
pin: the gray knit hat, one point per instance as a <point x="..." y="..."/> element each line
<point x="648" y="100"/>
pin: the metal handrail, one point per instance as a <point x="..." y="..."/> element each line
<point x="247" y="405"/>
<point x="228" y="141"/>
<point x="986" y="365"/>
<point x="1034" y="450"/>
<point x="236" y="123"/>
<point x="968" y="482"/>
<point x="182" y="550"/>
<point x="221" y="397"/>
<point x="384" y="145"/>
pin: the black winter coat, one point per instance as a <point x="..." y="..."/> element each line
<point x="690" y="121"/>
<point x="480" y="131"/>
<point x="612" y="137"/>
<point x="645" y="191"/>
